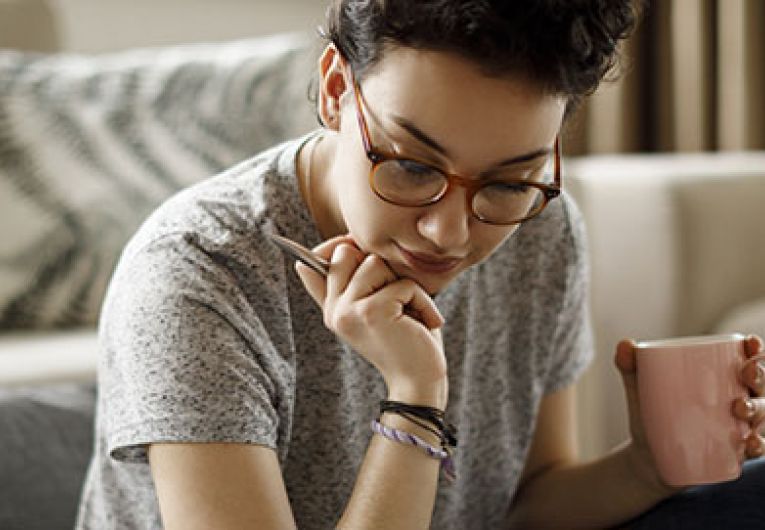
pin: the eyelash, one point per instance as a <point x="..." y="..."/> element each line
<point x="396" y="149"/>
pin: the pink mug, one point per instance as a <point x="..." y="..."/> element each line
<point x="686" y="388"/>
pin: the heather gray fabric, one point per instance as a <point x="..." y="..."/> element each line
<point x="46" y="439"/>
<point x="207" y="335"/>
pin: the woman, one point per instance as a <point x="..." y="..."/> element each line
<point x="237" y="394"/>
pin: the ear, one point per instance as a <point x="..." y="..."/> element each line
<point x="332" y="86"/>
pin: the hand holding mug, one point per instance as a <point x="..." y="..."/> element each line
<point x="696" y="406"/>
<point x="752" y="408"/>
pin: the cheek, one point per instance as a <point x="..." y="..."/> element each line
<point x="488" y="239"/>
<point x="364" y="214"/>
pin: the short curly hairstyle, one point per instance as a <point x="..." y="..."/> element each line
<point x="567" y="46"/>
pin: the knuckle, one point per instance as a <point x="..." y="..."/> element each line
<point x="407" y="283"/>
<point x="368" y="313"/>
<point x="343" y="323"/>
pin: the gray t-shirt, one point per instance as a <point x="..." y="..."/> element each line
<point x="207" y="335"/>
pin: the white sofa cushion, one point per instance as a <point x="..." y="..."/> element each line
<point x="36" y="358"/>
<point x="748" y="318"/>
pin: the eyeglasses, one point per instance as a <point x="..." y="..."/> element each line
<point x="504" y="200"/>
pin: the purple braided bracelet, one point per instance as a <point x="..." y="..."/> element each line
<point x="447" y="464"/>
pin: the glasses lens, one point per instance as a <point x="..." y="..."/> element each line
<point x="507" y="202"/>
<point x="407" y="182"/>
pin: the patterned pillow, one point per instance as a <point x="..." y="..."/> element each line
<point x="89" y="145"/>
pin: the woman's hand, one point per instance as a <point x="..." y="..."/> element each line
<point x="641" y="458"/>
<point x="392" y="322"/>
<point x="752" y="376"/>
<point x="752" y="410"/>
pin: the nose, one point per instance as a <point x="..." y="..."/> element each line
<point x="447" y="222"/>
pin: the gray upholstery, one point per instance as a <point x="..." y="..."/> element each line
<point x="46" y="439"/>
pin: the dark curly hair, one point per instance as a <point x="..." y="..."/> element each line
<point x="567" y="46"/>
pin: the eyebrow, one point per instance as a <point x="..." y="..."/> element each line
<point x="417" y="133"/>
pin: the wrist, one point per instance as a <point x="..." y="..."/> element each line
<point x="641" y="465"/>
<point x="400" y="423"/>
<point x="430" y="395"/>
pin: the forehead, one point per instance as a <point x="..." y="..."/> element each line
<point x="460" y="106"/>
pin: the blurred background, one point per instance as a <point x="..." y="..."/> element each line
<point x="694" y="78"/>
<point x="669" y="172"/>
<point x="94" y="26"/>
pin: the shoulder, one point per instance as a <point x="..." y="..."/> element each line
<point x="215" y="233"/>
<point x="230" y="212"/>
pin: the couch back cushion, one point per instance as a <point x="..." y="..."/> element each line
<point x="89" y="145"/>
<point x="676" y="239"/>
<point x="723" y="244"/>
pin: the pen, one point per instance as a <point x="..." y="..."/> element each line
<point x="299" y="252"/>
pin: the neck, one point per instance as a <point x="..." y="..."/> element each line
<point x="313" y="168"/>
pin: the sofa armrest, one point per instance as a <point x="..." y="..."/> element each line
<point x="37" y="358"/>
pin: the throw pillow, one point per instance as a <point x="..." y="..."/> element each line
<point x="89" y="145"/>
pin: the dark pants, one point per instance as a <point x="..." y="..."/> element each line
<point x="735" y="505"/>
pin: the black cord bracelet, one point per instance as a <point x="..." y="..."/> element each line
<point x="417" y="414"/>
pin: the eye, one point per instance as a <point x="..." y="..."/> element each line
<point x="414" y="168"/>
<point x="515" y="188"/>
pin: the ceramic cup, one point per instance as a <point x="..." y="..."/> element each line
<point x="687" y="387"/>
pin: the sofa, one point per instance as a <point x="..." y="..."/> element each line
<point x="90" y="144"/>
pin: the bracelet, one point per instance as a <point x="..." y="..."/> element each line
<point x="442" y="454"/>
<point x="418" y="414"/>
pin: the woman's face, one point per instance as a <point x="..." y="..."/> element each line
<point x="439" y="108"/>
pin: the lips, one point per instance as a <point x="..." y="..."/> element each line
<point x="429" y="263"/>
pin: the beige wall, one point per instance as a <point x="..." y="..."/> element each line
<point x="107" y="25"/>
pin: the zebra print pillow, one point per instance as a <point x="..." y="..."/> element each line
<point x="89" y="145"/>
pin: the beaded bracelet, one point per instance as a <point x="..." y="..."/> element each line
<point x="442" y="454"/>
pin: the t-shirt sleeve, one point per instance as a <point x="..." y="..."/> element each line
<point x="185" y="355"/>
<point x="572" y="345"/>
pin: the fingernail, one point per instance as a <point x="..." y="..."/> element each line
<point x="758" y="378"/>
<point x="749" y="408"/>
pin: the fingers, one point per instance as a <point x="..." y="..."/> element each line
<point x="625" y="356"/>
<point x="753" y="346"/>
<point x="755" y="446"/>
<point x="354" y="276"/>
<point x="753" y="375"/>
<point x="751" y="410"/>
<point x="326" y="248"/>
<point x="419" y="305"/>
<point x="344" y="261"/>
<point x="372" y="275"/>
<point x="315" y="284"/>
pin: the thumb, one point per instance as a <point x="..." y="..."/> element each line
<point x="314" y="283"/>
<point x="625" y="357"/>
<point x="626" y="363"/>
